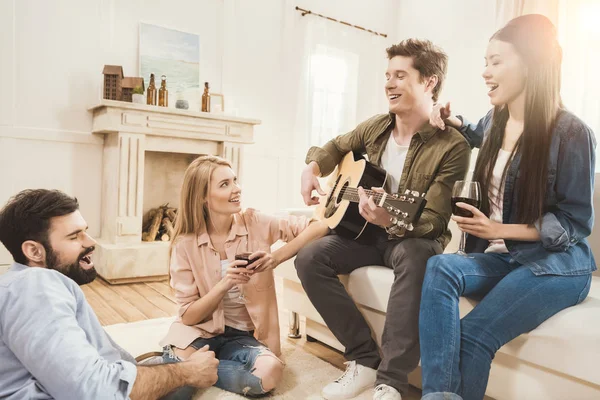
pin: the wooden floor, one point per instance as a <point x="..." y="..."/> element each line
<point x="132" y="302"/>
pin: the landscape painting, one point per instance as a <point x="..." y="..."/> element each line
<point x="172" y="53"/>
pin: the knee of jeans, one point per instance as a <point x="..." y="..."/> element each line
<point x="306" y="263"/>
<point x="269" y="369"/>
<point x="440" y="272"/>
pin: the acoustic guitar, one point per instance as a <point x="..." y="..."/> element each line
<point x="340" y="208"/>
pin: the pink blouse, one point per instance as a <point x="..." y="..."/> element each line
<point x="196" y="268"/>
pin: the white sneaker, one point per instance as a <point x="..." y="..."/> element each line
<point x="386" y="392"/>
<point x="353" y="381"/>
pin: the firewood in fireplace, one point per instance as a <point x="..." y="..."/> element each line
<point x="171" y="213"/>
<point x="168" y="225"/>
<point x="148" y="219"/>
<point x="155" y="225"/>
<point x="158" y="224"/>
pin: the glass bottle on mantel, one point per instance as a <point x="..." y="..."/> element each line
<point x="206" y="98"/>
<point x="163" y="93"/>
<point x="151" y="92"/>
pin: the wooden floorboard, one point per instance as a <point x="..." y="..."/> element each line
<point x="106" y="314"/>
<point x="110" y="294"/>
<point x="154" y="297"/>
<point x="164" y="289"/>
<point x="140" y="302"/>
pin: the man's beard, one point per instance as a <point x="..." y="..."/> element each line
<point x="74" y="271"/>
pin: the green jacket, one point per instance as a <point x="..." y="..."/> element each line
<point x="435" y="160"/>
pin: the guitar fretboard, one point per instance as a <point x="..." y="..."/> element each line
<point x="351" y="194"/>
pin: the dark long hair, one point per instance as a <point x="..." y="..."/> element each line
<point x="534" y="38"/>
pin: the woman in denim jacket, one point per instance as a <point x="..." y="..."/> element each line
<point x="529" y="258"/>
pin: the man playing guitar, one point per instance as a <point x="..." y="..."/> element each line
<point x="417" y="157"/>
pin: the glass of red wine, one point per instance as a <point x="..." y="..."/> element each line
<point x="465" y="192"/>
<point x="241" y="299"/>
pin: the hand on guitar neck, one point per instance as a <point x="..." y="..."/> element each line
<point x="370" y="211"/>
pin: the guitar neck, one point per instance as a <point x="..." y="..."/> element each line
<point x="351" y="194"/>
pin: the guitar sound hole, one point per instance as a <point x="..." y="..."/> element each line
<point x="330" y="204"/>
<point x="337" y="182"/>
<point x="340" y="195"/>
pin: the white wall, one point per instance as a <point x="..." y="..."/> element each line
<point x="462" y="28"/>
<point x="53" y="52"/>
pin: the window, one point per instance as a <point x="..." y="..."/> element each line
<point x="333" y="82"/>
<point x="579" y="33"/>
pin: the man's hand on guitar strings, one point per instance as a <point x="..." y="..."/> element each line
<point x="370" y="211"/>
<point x="310" y="182"/>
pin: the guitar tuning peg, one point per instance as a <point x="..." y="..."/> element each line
<point x="415" y="193"/>
<point x="423" y="194"/>
<point x="389" y="209"/>
<point x="397" y="212"/>
<point x="402" y="198"/>
<point x="411" y="200"/>
<point x="395" y="195"/>
<point x="410" y="227"/>
<point x="407" y="191"/>
<point x="404" y="215"/>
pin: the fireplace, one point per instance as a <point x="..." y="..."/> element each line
<point x="146" y="151"/>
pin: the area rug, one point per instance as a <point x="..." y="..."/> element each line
<point x="304" y="376"/>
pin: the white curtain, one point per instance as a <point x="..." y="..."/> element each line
<point x="578" y="23"/>
<point x="340" y="80"/>
<point x="579" y="30"/>
<point x="509" y="9"/>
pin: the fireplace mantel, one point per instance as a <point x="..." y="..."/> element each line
<point x="130" y="130"/>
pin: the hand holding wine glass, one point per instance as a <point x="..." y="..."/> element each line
<point x="468" y="192"/>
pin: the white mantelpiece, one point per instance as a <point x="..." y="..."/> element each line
<point x="130" y="130"/>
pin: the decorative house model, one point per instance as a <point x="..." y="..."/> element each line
<point x="129" y="84"/>
<point x="113" y="77"/>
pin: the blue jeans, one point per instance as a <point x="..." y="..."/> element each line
<point x="456" y="354"/>
<point x="237" y="351"/>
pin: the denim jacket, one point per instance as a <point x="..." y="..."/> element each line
<point x="568" y="215"/>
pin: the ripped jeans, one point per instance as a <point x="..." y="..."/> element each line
<point x="237" y="352"/>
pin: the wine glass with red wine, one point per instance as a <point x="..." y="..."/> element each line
<point x="465" y="192"/>
<point x="241" y="299"/>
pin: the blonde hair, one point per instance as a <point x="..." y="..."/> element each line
<point x="192" y="214"/>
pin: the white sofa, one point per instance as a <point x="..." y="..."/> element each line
<point x="558" y="360"/>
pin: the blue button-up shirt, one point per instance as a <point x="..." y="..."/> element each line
<point x="568" y="215"/>
<point x="52" y="345"/>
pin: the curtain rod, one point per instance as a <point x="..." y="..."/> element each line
<point x="305" y="12"/>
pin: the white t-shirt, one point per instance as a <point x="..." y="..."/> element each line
<point x="497" y="199"/>
<point x="236" y="314"/>
<point x="392" y="161"/>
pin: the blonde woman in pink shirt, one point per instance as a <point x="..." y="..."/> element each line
<point x="226" y="304"/>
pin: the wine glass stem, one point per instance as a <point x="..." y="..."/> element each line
<point x="463" y="242"/>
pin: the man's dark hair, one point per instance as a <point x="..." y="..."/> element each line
<point x="428" y="59"/>
<point x="27" y="216"/>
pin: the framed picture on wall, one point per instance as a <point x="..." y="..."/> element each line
<point x="217" y="102"/>
<point x="176" y="54"/>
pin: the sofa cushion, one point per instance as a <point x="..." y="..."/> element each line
<point x="568" y="342"/>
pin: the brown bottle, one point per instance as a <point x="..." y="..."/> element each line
<point x="151" y="92"/>
<point x="163" y="93"/>
<point x="206" y="98"/>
